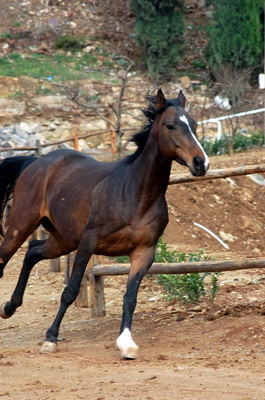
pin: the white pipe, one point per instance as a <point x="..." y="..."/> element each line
<point x="218" y="119"/>
<point x="212" y="234"/>
<point x="242" y="114"/>
<point x="219" y="126"/>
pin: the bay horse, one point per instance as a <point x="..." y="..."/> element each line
<point x="108" y="208"/>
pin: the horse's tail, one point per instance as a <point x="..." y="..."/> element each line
<point x="10" y="169"/>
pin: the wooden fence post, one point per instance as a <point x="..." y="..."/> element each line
<point x="68" y="266"/>
<point x="37" y="151"/>
<point x="96" y="287"/>
<point x="75" y="136"/>
<point x="82" y="298"/>
<point x="55" y="265"/>
<point x="97" y="297"/>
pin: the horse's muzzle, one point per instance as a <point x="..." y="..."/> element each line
<point x="200" y="166"/>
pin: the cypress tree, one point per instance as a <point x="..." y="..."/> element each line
<point x="159" y="30"/>
<point x="236" y="34"/>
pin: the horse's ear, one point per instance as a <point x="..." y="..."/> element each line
<point x="181" y="99"/>
<point x="160" y="99"/>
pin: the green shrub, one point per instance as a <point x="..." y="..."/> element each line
<point x="186" y="288"/>
<point x="7" y="35"/>
<point x="235" y="34"/>
<point x="69" y="42"/>
<point x="164" y="254"/>
<point x="159" y="29"/>
<point x="16" y="24"/>
<point x="240" y="142"/>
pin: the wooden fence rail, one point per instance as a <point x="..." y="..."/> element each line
<point x="218" y="174"/>
<point x="40" y="145"/>
<point x="96" y="274"/>
<point x="72" y="138"/>
<point x="183" y="268"/>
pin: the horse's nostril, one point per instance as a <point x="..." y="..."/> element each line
<point x="198" y="162"/>
<point x="199" y="166"/>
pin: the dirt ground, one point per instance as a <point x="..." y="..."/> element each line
<point x="212" y="351"/>
<point x="231" y="208"/>
<point x="207" y="352"/>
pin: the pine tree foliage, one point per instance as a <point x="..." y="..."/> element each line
<point x="159" y="30"/>
<point x="236" y="34"/>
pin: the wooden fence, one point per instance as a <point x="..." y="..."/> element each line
<point x="96" y="274"/>
<point x="218" y="174"/>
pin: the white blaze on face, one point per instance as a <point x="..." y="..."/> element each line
<point x="184" y="119"/>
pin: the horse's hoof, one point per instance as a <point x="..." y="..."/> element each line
<point x="126" y="345"/>
<point x="48" y="347"/>
<point x="130" y="353"/>
<point x="2" y="312"/>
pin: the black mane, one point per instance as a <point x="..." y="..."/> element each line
<point x="140" y="138"/>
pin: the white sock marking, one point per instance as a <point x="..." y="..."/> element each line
<point x="184" y="119"/>
<point x="125" y="342"/>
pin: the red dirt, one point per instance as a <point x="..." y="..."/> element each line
<point x="234" y="206"/>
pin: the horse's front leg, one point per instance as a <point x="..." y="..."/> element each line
<point x="141" y="261"/>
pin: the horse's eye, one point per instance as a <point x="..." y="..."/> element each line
<point x="170" y="127"/>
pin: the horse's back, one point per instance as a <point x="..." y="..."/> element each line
<point x="63" y="162"/>
<point x="68" y="156"/>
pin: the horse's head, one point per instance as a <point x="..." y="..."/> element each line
<point x="177" y="134"/>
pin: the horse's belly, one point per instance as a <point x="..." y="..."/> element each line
<point x="115" y="244"/>
<point x="126" y="240"/>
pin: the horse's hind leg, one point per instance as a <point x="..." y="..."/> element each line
<point x="31" y="258"/>
<point x="83" y="254"/>
<point x="36" y="242"/>
<point x="10" y="244"/>
<point x="21" y="226"/>
<point x="38" y="250"/>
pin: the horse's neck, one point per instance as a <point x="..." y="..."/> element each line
<point x="151" y="171"/>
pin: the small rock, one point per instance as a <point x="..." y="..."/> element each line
<point x="155" y="298"/>
<point x="231" y="182"/>
<point x="180" y="318"/>
<point x="256" y="251"/>
<point x="203" y="88"/>
<point x="72" y="24"/>
<point x="226" y="237"/>
<point x="211" y="317"/>
<point x="185" y="81"/>
<point x="5" y="46"/>
<point x="102" y="146"/>
<point x="88" y="49"/>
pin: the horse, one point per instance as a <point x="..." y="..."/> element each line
<point x="103" y="208"/>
